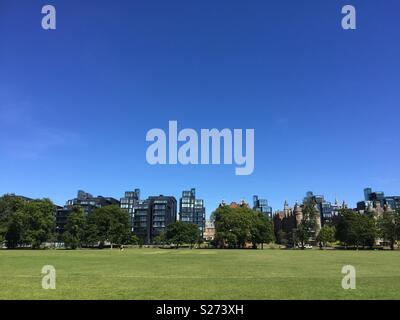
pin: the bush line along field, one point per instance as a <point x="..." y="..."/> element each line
<point x="199" y="274"/>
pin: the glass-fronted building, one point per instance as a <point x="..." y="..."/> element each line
<point x="128" y="203"/>
<point x="87" y="202"/>
<point x="261" y="205"/>
<point x="192" y="210"/>
<point x="372" y="198"/>
<point x="324" y="207"/>
<point x="152" y="216"/>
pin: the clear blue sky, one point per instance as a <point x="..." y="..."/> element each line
<point x="76" y="103"/>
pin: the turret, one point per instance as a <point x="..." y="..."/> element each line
<point x="387" y="208"/>
<point x="298" y="213"/>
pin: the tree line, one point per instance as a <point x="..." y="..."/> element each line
<point x="32" y="223"/>
<point x="350" y="229"/>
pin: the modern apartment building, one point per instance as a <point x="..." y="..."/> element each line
<point x="152" y="216"/>
<point x="129" y="202"/>
<point x="86" y="201"/>
<point x="192" y="210"/>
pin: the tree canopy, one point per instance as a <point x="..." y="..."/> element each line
<point x="235" y="227"/>
<point x="31" y="224"/>
<point x="179" y="233"/>
<point x="109" y="224"/>
<point x="389" y="227"/>
<point x="356" y="229"/>
<point x="75" y="228"/>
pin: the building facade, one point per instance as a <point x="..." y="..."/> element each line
<point x="324" y="207"/>
<point x="209" y="232"/>
<point x="261" y="205"/>
<point x="129" y="202"/>
<point x="289" y="219"/>
<point x="84" y="200"/>
<point x="375" y="199"/>
<point x="192" y="210"/>
<point x="152" y="216"/>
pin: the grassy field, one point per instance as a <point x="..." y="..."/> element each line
<point x="199" y="274"/>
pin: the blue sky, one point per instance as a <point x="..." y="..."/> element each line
<point x="76" y="103"/>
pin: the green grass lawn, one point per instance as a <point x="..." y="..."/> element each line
<point x="199" y="274"/>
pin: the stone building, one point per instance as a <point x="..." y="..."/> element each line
<point x="290" y="218"/>
<point x="209" y="232"/>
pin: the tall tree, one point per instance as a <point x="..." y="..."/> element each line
<point x="9" y="205"/>
<point x="355" y="229"/>
<point x="238" y="226"/>
<point x="109" y="224"/>
<point x="302" y="234"/>
<point x="233" y="226"/>
<point x="31" y="224"/>
<point x="262" y="230"/>
<point x="179" y="233"/>
<point x="326" y="235"/>
<point x="75" y="228"/>
<point x="389" y="227"/>
<point x="308" y="228"/>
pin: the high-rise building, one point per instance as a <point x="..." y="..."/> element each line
<point x="141" y="220"/>
<point x="324" y="207"/>
<point x="377" y="198"/>
<point x="152" y="216"/>
<point x="86" y="201"/>
<point x="129" y="201"/>
<point x="192" y="210"/>
<point x="367" y="193"/>
<point x="261" y="205"/>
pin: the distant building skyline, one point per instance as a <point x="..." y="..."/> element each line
<point x="130" y="198"/>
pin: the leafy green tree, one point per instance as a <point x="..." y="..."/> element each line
<point x="31" y="224"/>
<point x="75" y="228"/>
<point x="233" y="226"/>
<point x="108" y="224"/>
<point x="310" y="217"/>
<point x="15" y="230"/>
<point x="160" y="239"/>
<point x="9" y="205"/>
<point x="308" y="227"/>
<point x="326" y="235"/>
<point x="281" y="237"/>
<point x="91" y="234"/>
<point x="193" y="234"/>
<point x="179" y="233"/>
<point x="355" y="229"/>
<point x="389" y="227"/>
<point x="39" y="218"/>
<point x="237" y="226"/>
<point x="262" y="230"/>
<point x="133" y="239"/>
<point x="302" y="234"/>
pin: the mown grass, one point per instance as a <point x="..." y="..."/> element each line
<point x="199" y="274"/>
